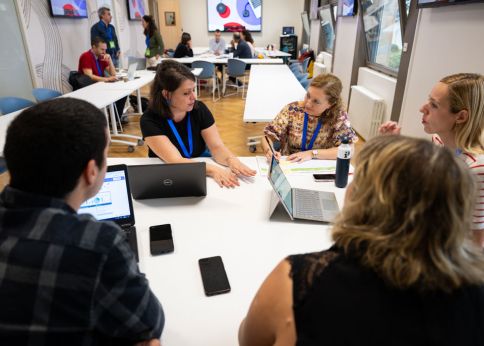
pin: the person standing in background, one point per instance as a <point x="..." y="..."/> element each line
<point x="217" y="44"/>
<point x="107" y="32"/>
<point x="154" y="42"/>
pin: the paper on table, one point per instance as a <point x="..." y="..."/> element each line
<point x="306" y="167"/>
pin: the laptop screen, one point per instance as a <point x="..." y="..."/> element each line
<point x="113" y="201"/>
<point x="280" y="184"/>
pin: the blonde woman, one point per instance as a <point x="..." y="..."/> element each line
<point x="454" y="113"/>
<point x="402" y="270"/>
<point x="313" y="128"/>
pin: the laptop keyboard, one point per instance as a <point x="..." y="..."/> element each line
<point x="307" y="205"/>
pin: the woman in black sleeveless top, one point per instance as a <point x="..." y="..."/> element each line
<point x="402" y="271"/>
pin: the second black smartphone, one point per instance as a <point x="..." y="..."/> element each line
<point x="161" y="239"/>
<point x="324" y="177"/>
<point x="214" y="277"/>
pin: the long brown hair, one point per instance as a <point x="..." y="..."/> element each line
<point x="408" y="215"/>
<point x="170" y="74"/>
<point x="151" y="28"/>
<point x="466" y="91"/>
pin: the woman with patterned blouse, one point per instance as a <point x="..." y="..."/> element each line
<point x="313" y="128"/>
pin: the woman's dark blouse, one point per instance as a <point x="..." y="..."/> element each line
<point x="182" y="50"/>
<point x="153" y="124"/>
<point x="336" y="301"/>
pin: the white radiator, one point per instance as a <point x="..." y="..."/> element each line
<point x="319" y="68"/>
<point x="366" y="111"/>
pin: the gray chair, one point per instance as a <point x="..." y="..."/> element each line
<point x="208" y="73"/>
<point x="236" y="69"/>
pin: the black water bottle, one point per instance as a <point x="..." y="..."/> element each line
<point x="343" y="163"/>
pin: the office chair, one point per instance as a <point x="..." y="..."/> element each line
<point x="12" y="104"/>
<point x="235" y="68"/>
<point x="208" y="73"/>
<point x="44" y="94"/>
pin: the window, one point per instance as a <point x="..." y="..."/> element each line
<point x="327" y="26"/>
<point x="383" y="32"/>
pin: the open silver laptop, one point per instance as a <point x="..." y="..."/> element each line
<point x="132" y="70"/>
<point x="301" y="203"/>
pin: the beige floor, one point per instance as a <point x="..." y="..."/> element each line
<point x="228" y="113"/>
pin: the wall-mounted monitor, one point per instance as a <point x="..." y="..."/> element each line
<point x="68" y="8"/>
<point x="347" y="8"/>
<point x="136" y="9"/>
<point x="234" y="15"/>
<point x="437" y="3"/>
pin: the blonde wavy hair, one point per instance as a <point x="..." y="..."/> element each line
<point x="466" y="91"/>
<point x="408" y="215"/>
<point x="332" y="87"/>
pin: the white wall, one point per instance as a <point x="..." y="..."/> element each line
<point x="55" y="44"/>
<point x="275" y="15"/>
<point x="380" y="84"/>
<point x="448" y="40"/>
<point x="344" y="52"/>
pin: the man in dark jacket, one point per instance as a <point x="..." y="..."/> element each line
<point x="107" y="32"/>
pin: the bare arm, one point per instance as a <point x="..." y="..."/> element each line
<point x="270" y="320"/>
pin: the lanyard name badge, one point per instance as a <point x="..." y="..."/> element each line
<point x="147" y="52"/>
<point x="99" y="72"/>
<point x="305" y="131"/>
<point x="180" y="141"/>
<point x="109" y="35"/>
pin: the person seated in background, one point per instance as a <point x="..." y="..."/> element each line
<point x="176" y="127"/>
<point x="67" y="279"/>
<point x="184" y="48"/>
<point x="217" y="44"/>
<point x="241" y="48"/>
<point x="154" y="43"/>
<point x="454" y="114"/>
<point x="247" y="37"/>
<point x="313" y="128"/>
<point x="402" y="270"/>
<point x="97" y="65"/>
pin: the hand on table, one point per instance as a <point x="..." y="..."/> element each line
<point x="300" y="156"/>
<point x="239" y="168"/>
<point x="389" y="128"/>
<point x="225" y="177"/>
<point x="277" y="154"/>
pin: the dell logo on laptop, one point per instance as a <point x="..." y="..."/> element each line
<point x="168" y="182"/>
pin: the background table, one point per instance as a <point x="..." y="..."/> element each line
<point x="270" y="89"/>
<point x="233" y="224"/>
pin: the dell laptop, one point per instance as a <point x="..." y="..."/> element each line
<point x="168" y="180"/>
<point x="113" y="203"/>
<point x="301" y="203"/>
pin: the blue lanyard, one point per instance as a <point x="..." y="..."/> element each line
<point x="305" y="131"/>
<point x="147" y="41"/>
<point x="97" y="65"/>
<point x="178" y="138"/>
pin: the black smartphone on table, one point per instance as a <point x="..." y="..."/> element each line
<point x="324" y="177"/>
<point x="161" y="239"/>
<point x="214" y="277"/>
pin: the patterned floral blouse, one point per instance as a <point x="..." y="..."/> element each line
<point x="287" y="127"/>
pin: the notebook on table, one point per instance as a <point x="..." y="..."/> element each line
<point x="301" y="203"/>
<point x="113" y="203"/>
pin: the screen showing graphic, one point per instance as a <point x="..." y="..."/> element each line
<point x="68" y="8"/>
<point x="136" y="9"/>
<point x="112" y="201"/>
<point x="348" y="8"/>
<point x="234" y="15"/>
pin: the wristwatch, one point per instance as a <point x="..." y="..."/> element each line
<point x="315" y="154"/>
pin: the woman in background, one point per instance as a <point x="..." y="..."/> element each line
<point x="176" y="127"/>
<point x="403" y="270"/>
<point x="154" y="42"/>
<point x="454" y="114"/>
<point x="184" y="48"/>
<point x="247" y="37"/>
<point x="313" y="128"/>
